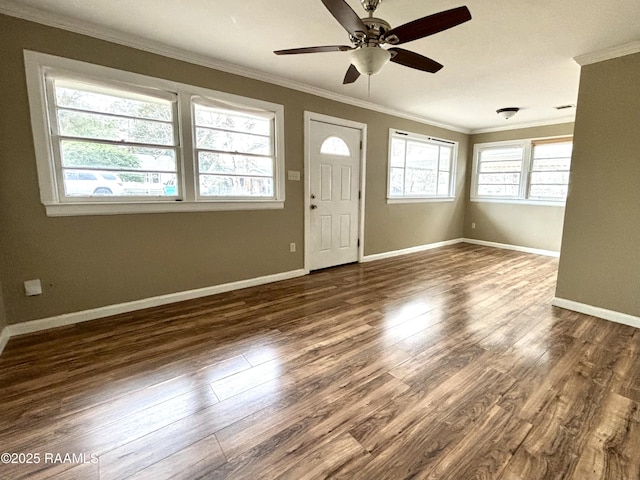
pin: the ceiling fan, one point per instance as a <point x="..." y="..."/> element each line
<point x="368" y="34"/>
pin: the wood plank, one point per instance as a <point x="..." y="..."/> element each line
<point x="448" y="363"/>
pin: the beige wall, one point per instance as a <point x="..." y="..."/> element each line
<point x="92" y="261"/>
<point x="600" y="257"/>
<point x="533" y="226"/>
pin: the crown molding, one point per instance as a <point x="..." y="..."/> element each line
<point x="24" y="12"/>
<point x="518" y="126"/>
<point x="608" y="54"/>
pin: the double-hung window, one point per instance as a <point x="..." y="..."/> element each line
<point x="550" y="163"/>
<point x="421" y="168"/>
<point x="533" y="171"/>
<point x="110" y="142"/>
<point x="235" y="151"/>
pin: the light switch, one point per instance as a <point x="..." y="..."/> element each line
<point x="293" y="175"/>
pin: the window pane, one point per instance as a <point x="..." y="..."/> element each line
<point x="234" y="164"/>
<point x="501" y="153"/>
<point x="118" y="129"/>
<point x="107" y="156"/>
<point x="550" y="170"/>
<point x="86" y="98"/>
<point x="396" y="184"/>
<point x="233" y="142"/>
<point x="445" y="159"/>
<point x="87" y="183"/>
<point x="552" y="164"/>
<point x="335" y="146"/>
<point x="499" y="190"/>
<point x="235" y="186"/>
<point x="499" y="178"/>
<point x="421" y="155"/>
<point x="553" y="150"/>
<point x="558" y="192"/>
<point x="443" y="183"/>
<point x="420" y="182"/>
<point x="558" y="178"/>
<point x="226" y="120"/>
<point x="398" y="147"/>
<point x="501" y="166"/>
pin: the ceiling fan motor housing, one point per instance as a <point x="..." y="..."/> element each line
<point x="376" y="29"/>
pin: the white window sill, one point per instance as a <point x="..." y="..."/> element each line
<point x="79" y="209"/>
<point x="519" y="201"/>
<point x="420" y="200"/>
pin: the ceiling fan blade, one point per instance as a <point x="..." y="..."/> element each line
<point x="326" y="48"/>
<point x="423" y="27"/>
<point x="352" y="75"/>
<point x="345" y="15"/>
<point x="414" y="60"/>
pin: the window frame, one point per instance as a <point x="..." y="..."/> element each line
<point x="451" y="194"/>
<point x="527" y="145"/>
<point x="39" y="67"/>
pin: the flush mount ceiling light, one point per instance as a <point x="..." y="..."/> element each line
<point x="507" y="112"/>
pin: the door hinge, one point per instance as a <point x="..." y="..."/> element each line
<point x="360" y="195"/>
<point x="360" y="144"/>
<point x="358" y="242"/>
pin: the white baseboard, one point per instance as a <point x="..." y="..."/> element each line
<point x="85" y="315"/>
<point x="518" y="248"/>
<point x="4" y="338"/>
<point x="405" y="251"/>
<point x="109" y="310"/>
<point x="610" y="315"/>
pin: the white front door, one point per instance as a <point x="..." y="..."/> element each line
<point x="334" y="194"/>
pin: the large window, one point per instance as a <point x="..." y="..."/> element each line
<point x="420" y="168"/>
<point x="235" y="151"/>
<point x="112" y="142"/>
<point x="109" y="141"/>
<point x="535" y="171"/>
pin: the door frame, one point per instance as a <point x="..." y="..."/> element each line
<point x="341" y="122"/>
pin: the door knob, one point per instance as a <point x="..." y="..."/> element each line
<point x="313" y="207"/>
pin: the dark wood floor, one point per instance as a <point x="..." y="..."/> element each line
<point x="448" y="364"/>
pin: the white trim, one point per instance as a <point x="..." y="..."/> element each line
<point x="518" y="201"/>
<point x="111" y="35"/>
<point x="404" y="135"/>
<point x="405" y="251"/>
<point x="319" y="117"/>
<point x="109" y="310"/>
<point x="599" y="312"/>
<point x="74" y="209"/>
<point x="49" y="168"/>
<point x="518" y="126"/>
<point x="608" y="54"/>
<point x="393" y="200"/>
<point x="517" y="248"/>
<point x="4" y="338"/>
<point x="525" y="174"/>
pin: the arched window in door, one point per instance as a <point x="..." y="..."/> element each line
<point x="335" y="146"/>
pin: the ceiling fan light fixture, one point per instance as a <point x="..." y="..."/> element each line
<point x="370" y="5"/>
<point x="370" y="60"/>
<point x="507" y="112"/>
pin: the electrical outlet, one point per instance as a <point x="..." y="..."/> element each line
<point x="292" y="247"/>
<point x="473" y="225"/>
